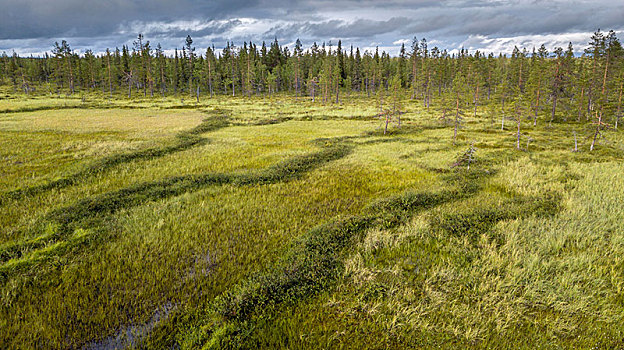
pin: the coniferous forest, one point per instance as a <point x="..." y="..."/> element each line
<point x="557" y="85"/>
<point x="269" y="196"/>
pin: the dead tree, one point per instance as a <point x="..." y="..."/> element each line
<point x="129" y="78"/>
<point x="599" y="127"/>
<point x="386" y="117"/>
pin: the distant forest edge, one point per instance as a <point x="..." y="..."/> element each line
<point x="557" y="84"/>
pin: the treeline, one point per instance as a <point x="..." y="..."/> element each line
<point x="557" y="84"/>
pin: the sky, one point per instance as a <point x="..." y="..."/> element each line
<point x="32" y="26"/>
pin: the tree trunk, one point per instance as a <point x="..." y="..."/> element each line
<point x="537" y="101"/>
<point x="580" y="105"/>
<point x="554" y="109"/>
<point x="518" y="133"/>
<point x="297" y="78"/>
<point x="489" y="84"/>
<point x="476" y="101"/>
<point x="456" y="120"/>
<point x="210" y="77"/>
<point x="597" y="132"/>
<point x="387" y="121"/>
<point x="110" y="83"/>
<point x="130" y="85"/>
<point x="413" y="79"/>
<point x="71" y="75"/>
<point x="232" y="74"/>
<point x="162" y="80"/>
<point x="618" y="113"/>
<point x="604" y="80"/>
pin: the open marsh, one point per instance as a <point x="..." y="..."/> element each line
<point x="279" y="223"/>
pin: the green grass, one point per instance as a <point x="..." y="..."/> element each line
<point x="279" y="223"/>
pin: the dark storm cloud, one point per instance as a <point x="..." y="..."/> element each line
<point x="490" y="18"/>
<point x="21" y="19"/>
<point x="33" y="25"/>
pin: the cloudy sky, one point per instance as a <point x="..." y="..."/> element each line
<point x="32" y="26"/>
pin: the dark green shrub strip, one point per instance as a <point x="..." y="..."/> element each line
<point x="296" y="166"/>
<point x="66" y="219"/>
<point x="50" y="108"/>
<point x="312" y="265"/>
<point x="307" y="269"/>
<point x="481" y="220"/>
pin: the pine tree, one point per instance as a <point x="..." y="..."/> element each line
<point x="160" y="69"/>
<point x="535" y="83"/>
<point x="336" y="78"/>
<point x="109" y="71"/>
<point x="63" y="53"/>
<point x="190" y="52"/>
<point x="128" y="75"/>
<point x="297" y="53"/>
<point x="210" y="68"/>
<point x="397" y="97"/>
<point x="460" y="89"/>
<point x="312" y="85"/>
<point x="415" y="58"/>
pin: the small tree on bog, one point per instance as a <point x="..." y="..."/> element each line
<point x="466" y="158"/>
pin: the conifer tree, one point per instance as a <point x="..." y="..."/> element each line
<point x="535" y="81"/>
<point x="190" y="52"/>
<point x="108" y="65"/>
<point x="415" y="58"/>
<point x="397" y="96"/>
<point x="210" y="68"/>
<point x="460" y="89"/>
<point x="160" y="69"/>
<point x="63" y="54"/>
<point x="297" y="57"/>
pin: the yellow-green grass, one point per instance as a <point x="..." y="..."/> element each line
<point x="132" y="123"/>
<point x="34" y="143"/>
<point x="233" y="149"/>
<point x="244" y="227"/>
<point x="524" y="248"/>
<point x="10" y="102"/>
<point x="532" y="281"/>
